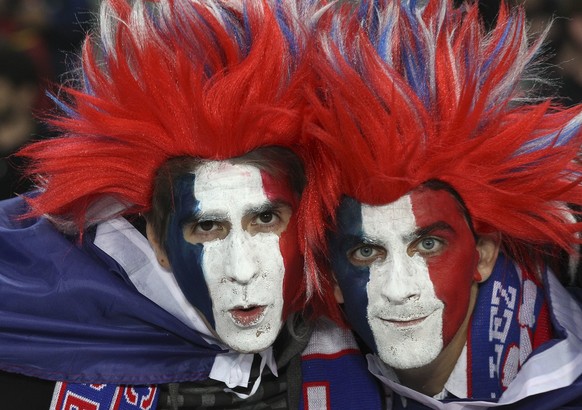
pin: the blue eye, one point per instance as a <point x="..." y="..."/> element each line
<point x="428" y="243"/>
<point x="366" y="251"/>
<point x="428" y="246"/>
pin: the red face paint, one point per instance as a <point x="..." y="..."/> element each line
<point x="278" y="190"/>
<point x="452" y="269"/>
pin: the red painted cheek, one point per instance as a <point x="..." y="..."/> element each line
<point x="293" y="284"/>
<point x="451" y="271"/>
<point x="451" y="274"/>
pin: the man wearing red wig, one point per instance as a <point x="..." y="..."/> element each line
<point x="444" y="184"/>
<point x="187" y="113"/>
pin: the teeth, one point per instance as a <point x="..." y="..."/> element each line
<point x="247" y="316"/>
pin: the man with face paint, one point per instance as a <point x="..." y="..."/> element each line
<point x="189" y="114"/>
<point x="444" y="192"/>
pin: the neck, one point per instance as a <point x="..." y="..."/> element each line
<point x="431" y="379"/>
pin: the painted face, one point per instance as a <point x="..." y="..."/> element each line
<point x="405" y="270"/>
<point x="223" y="244"/>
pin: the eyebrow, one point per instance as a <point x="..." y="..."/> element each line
<point x="204" y="216"/>
<point x="222" y="216"/>
<point x="267" y="206"/>
<point x="427" y="230"/>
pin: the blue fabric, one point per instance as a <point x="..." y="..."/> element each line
<point x="68" y="313"/>
<point x="567" y="398"/>
<point x="346" y="378"/>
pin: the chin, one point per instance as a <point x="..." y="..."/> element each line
<point x="252" y="339"/>
<point x="409" y="356"/>
<point x="409" y="348"/>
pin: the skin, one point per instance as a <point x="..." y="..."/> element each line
<point x="407" y="275"/>
<point x="225" y="234"/>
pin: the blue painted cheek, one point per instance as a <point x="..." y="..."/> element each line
<point x="351" y="279"/>
<point x="186" y="258"/>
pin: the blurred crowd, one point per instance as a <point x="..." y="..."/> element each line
<point x="39" y="40"/>
<point x="38" y="43"/>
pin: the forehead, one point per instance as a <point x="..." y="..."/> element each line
<point x="417" y="209"/>
<point x="218" y="184"/>
<point x="394" y="218"/>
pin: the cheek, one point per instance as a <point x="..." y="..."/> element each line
<point x="293" y="284"/>
<point x="353" y="282"/>
<point x="186" y="261"/>
<point x="452" y="277"/>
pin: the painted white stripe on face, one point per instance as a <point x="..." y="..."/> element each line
<point x="244" y="272"/>
<point x="403" y="311"/>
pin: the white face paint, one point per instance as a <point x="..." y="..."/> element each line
<point x="242" y="262"/>
<point x="404" y="313"/>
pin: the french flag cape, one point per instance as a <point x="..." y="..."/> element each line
<point x="70" y="313"/>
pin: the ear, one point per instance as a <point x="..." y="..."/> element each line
<point x="488" y="248"/>
<point x="337" y="292"/>
<point x="158" y="250"/>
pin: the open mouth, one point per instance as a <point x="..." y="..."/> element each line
<point x="247" y="316"/>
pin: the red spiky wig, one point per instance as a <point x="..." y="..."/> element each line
<point x="164" y="79"/>
<point x="415" y="94"/>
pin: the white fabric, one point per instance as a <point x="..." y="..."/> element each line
<point x="556" y="367"/>
<point x="120" y="240"/>
<point x="329" y="339"/>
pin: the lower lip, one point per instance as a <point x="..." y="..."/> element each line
<point x="405" y="324"/>
<point x="247" y="317"/>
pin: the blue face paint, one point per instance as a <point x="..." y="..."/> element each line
<point x="352" y="280"/>
<point x="185" y="257"/>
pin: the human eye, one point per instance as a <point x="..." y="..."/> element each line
<point x="204" y="231"/>
<point x="266" y="218"/>
<point x="207" y="226"/>
<point x="365" y="254"/>
<point x="270" y="220"/>
<point x="265" y="221"/>
<point x="427" y="246"/>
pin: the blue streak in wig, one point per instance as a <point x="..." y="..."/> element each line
<point x="555" y="139"/>
<point x="414" y="61"/>
<point x="247" y="30"/>
<point x="61" y="105"/>
<point x="230" y="22"/>
<point x="383" y="39"/>
<point x="287" y="31"/>
<point x="368" y="13"/>
<point x="499" y="45"/>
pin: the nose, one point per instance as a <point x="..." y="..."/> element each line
<point x="401" y="279"/>
<point x="242" y="264"/>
